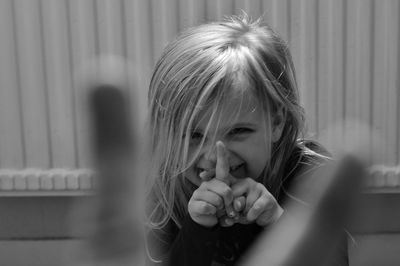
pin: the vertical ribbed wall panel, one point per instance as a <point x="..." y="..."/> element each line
<point x="346" y="55"/>
<point x="138" y="47"/>
<point x="358" y="48"/>
<point x="385" y="89"/>
<point x="32" y="81"/>
<point x="11" y="128"/>
<point x="305" y="52"/>
<point x="58" y="82"/>
<point x="109" y="27"/>
<point x="331" y="69"/>
<point x="191" y="12"/>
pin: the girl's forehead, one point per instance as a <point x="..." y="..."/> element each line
<point x="235" y="108"/>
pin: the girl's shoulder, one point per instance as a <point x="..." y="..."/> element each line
<point x="306" y="154"/>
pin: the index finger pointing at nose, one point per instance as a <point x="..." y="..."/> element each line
<point x="222" y="167"/>
<point x="222" y="172"/>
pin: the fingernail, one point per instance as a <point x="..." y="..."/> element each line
<point x="232" y="214"/>
<point x="238" y="205"/>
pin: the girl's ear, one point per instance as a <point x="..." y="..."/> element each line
<point x="278" y="123"/>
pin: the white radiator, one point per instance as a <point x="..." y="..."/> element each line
<point x="57" y="182"/>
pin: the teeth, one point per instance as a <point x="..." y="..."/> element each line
<point x="234" y="168"/>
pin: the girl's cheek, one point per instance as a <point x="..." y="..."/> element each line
<point x="191" y="176"/>
<point x="193" y="153"/>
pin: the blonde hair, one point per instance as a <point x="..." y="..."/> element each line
<point x="197" y="71"/>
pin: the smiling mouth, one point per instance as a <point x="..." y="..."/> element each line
<point x="234" y="168"/>
<point x="231" y="169"/>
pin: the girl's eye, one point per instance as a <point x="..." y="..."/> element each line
<point x="196" y="136"/>
<point x="240" y="131"/>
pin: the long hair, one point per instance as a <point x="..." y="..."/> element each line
<point x="198" y="71"/>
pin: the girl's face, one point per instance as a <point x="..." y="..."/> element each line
<point x="244" y="134"/>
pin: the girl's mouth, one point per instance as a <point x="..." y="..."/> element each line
<point x="238" y="171"/>
<point x="234" y="168"/>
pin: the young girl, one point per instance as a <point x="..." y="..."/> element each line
<point x="226" y="127"/>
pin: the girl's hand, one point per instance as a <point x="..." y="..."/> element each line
<point x="210" y="197"/>
<point x="251" y="199"/>
<point x="259" y="205"/>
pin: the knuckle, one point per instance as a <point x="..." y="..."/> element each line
<point x="269" y="198"/>
<point x="251" y="217"/>
<point x="211" y="183"/>
<point x="259" y="186"/>
<point x="262" y="203"/>
<point x="203" y="185"/>
<point x="226" y="191"/>
<point x="248" y="180"/>
<point x="190" y="206"/>
<point x="191" y="200"/>
<point x="195" y="194"/>
<point x="257" y="207"/>
<point x="219" y="201"/>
